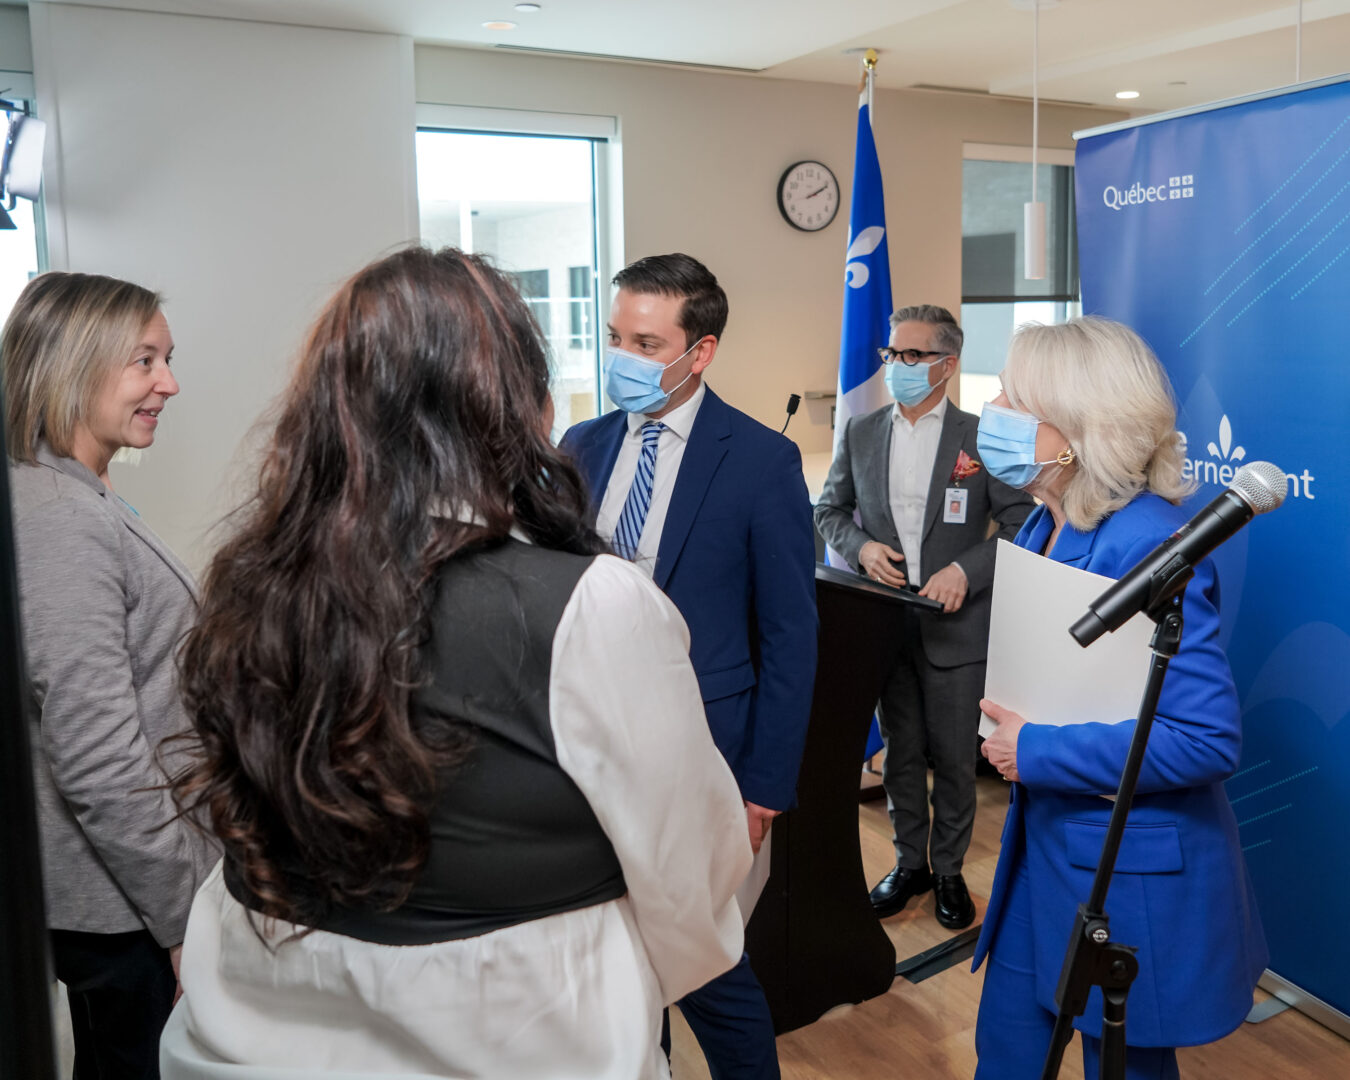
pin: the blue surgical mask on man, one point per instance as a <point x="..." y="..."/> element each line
<point x="633" y="382"/>
<point x="909" y="384"/>
<point x="1006" y="440"/>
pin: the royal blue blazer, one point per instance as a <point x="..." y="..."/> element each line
<point x="737" y="557"/>
<point x="1181" y="892"/>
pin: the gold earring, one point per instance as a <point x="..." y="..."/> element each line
<point x="1066" y="456"/>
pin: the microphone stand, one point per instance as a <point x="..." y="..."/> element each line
<point x="1092" y="958"/>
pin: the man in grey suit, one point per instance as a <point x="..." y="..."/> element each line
<point x="930" y="516"/>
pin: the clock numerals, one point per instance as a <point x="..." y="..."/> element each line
<point x="808" y="196"/>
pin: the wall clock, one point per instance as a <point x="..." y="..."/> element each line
<point x="808" y="195"/>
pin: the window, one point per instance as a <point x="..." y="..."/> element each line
<point x="534" y="203"/>
<point x="995" y="296"/>
<point x="580" y="308"/>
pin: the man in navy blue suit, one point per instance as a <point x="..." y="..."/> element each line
<point x="714" y="506"/>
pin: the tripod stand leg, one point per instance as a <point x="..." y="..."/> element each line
<point x="1059" y="1041"/>
<point x="1113" y="1033"/>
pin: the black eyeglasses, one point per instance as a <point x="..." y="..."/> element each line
<point x="908" y="357"/>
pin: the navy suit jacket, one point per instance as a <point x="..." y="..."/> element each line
<point x="1181" y="892"/>
<point x="737" y="557"/>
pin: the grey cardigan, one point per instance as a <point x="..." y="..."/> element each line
<point x="104" y="606"/>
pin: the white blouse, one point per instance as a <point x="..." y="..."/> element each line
<point x="575" y="995"/>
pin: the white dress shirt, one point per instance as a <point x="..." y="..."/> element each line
<point x="913" y="451"/>
<point x="574" y="995"/>
<point x="669" y="453"/>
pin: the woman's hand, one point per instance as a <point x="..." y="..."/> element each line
<point x="1001" y="747"/>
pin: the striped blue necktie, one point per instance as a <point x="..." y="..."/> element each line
<point x="639" y="501"/>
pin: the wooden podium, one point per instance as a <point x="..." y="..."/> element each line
<point x="814" y="940"/>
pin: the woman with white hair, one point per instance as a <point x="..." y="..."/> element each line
<point x="1086" y="423"/>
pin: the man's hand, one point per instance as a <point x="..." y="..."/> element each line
<point x="759" y="818"/>
<point x="1001" y="747"/>
<point x="948" y="585"/>
<point x="875" y="560"/>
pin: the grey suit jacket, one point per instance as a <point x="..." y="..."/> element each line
<point x="859" y="479"/>
<point x="104" y="606"/>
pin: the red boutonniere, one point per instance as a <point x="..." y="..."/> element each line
<point x="966" y="466"/>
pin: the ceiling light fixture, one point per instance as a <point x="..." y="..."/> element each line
<point x="1033" y="213"/>
<point x="1127" y="95"/>
<point x="529" y="9"/>
<point x="499" y="24"/>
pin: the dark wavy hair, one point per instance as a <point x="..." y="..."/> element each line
<point x="413" y="431"/>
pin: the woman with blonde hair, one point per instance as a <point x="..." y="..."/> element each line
<point x="1086" y="423"/>
<point x="104" y="605"/>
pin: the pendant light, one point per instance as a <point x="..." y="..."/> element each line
<point x="1033" y="213"/>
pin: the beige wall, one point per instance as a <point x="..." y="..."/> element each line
<point x="702" y="154"/>
<point x="243" y="169"/>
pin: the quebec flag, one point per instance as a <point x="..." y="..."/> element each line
<point x="867" y="305"/>
<point x="867" y="286"/>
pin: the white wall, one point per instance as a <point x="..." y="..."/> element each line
<point x="702" y="154"/>
<point x="244" y="170"/>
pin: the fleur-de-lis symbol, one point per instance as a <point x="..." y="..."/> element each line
<point x="863" y="244"/>
<point x="1226" y="442"/>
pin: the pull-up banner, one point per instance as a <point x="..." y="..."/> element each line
<point x="1222" y="236"/>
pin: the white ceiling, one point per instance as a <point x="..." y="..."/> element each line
<point x="1175" y="52"/>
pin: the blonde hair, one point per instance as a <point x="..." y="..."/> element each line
<point x="67" y="335"/>
<point x="1102" y="387"/>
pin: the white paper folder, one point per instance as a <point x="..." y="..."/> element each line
<point x="1036" y="668"/>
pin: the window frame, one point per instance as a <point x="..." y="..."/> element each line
<point x="607" y="172"/>
<point x="1015" y="154"/>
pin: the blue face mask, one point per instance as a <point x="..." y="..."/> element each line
<point x="909" y="385"/>
<point x="633" y="382"/>
<point x="1006" y="440"/>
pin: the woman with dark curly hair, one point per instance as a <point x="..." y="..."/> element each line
<point x="473" y="820"/>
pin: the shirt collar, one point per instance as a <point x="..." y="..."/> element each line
<point x="938" y="411"/>
<point x="680" y="420"/>
<point x="465" y="515"/>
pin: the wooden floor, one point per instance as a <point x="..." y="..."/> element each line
<point x="928" y="1030"/>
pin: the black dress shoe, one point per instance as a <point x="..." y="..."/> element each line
<point x="955" y="910"/>
<point x="898" y="887"/>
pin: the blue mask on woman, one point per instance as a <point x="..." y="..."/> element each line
<point x="633" y="382"/>
<point x="909" y="385"/>
<point x="1006" y="440"/>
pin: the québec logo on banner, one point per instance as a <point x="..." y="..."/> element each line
<point x="1138" y="194"/>
<point x="1225" y="459"/>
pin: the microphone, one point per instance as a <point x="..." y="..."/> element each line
<point x="793" y="401"/>
<point x="1256" y="488"/>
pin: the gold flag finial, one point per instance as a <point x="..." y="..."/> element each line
<point x="870" y="59"/>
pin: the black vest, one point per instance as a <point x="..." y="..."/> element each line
<point x="512" y="837"/>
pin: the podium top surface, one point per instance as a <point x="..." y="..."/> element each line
<point x="849" y="580"/>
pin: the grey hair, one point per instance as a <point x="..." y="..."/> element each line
<point x="1102" y="387"/>
<point x="947" y="334"/>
